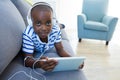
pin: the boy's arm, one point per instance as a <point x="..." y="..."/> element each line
<point x="60" y="50"/>
<point x="43" y="62"/>
<point x="29" y="60"/>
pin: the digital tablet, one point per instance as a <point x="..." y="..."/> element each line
<point x="68" y="63"/>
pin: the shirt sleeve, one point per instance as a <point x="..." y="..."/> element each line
<point x="58" y="37"/>
<point x="27" y="44"/>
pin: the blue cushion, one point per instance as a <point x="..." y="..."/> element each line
<point x="96" y="26"/>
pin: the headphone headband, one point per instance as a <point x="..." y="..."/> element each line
<point x="42" y="3"/>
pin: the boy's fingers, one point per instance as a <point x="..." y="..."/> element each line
<point x="81" y="66"/>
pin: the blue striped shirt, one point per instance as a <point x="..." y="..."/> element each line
<point x="31" y="41"/>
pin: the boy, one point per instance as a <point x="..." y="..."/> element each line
<point x="41" y="35"/>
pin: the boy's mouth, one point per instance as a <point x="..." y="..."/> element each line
<point x="43" y="35"/>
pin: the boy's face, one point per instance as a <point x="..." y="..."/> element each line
<point x="42" y="22"/>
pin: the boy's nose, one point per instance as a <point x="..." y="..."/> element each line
<point x="44" y="27"/>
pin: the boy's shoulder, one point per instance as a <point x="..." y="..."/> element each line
<point x="56" y="27"/>
<point x="29" y="30"/>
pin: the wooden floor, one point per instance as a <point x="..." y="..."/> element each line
<point x="102" y="62"/>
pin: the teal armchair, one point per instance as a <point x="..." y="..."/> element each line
<point x="93" y="22"/>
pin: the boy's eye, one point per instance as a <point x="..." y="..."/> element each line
<point x="48" y="23"/>
<point x="38" y="23"/>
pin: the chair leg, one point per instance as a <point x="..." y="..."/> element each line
<point x="80" y="39"/>
<point x="107" y="42"/>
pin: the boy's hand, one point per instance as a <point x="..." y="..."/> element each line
<point x="47" y="64"/>
<point x="81" y="66"/>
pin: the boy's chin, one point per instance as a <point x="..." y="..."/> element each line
<point x="43" y="36"/>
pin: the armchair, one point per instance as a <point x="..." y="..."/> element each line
<point x="94" y="23"/>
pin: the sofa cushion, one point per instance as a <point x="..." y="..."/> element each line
<point x="11" y="28"/>
<point x="96" y="26"/>
<point x="64" y="35"/>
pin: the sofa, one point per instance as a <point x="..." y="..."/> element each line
<point x="12" y="24"/>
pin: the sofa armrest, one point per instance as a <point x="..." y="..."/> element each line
<point x="81" y="18"/>
<point x="23" y="7"/>
<point x="11" y="28"/>
<point x="109" y="20"/>
<point x="111" y="23"/>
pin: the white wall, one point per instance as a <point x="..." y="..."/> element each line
<point x="68" y="11"/>
<point x="113" y="8"/>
